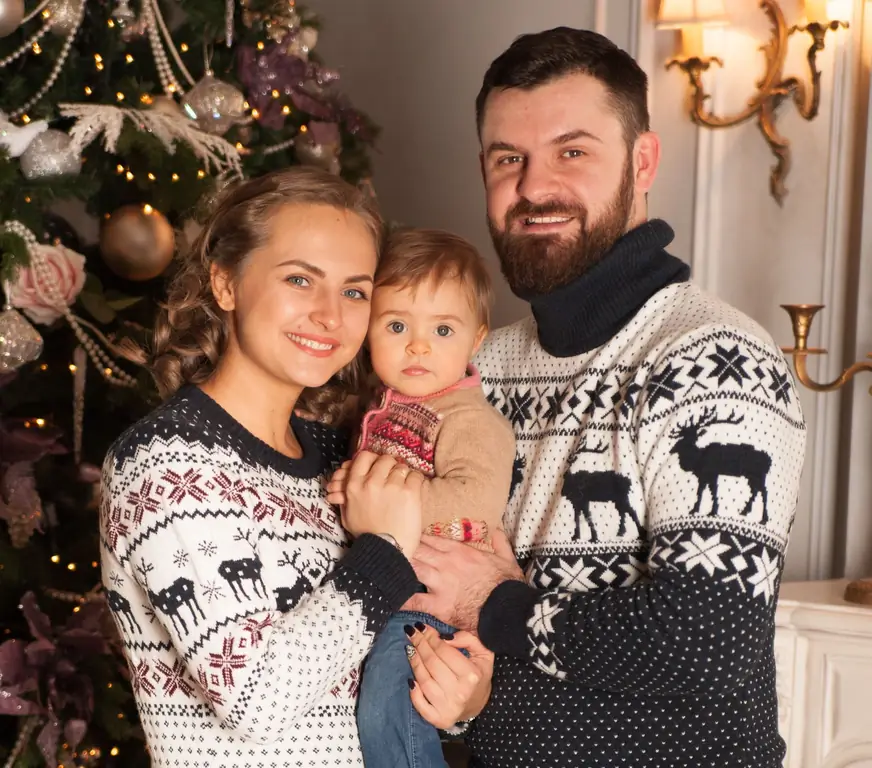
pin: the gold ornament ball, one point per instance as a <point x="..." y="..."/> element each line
<point x="137" y="242"/>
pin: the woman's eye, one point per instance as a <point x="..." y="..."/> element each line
<point x="298" y="280"/>
<point x="354" y="293"/>
<point x="396" y="327"/>
<point x="444" y="330"/>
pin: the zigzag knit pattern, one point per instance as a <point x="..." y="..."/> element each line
<point x="244" y="613"/>
<point x="655" y="483"/>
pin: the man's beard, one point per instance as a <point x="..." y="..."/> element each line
<point x="534" y="265"/>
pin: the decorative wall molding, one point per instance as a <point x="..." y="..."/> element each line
<point x="713" y="259"/>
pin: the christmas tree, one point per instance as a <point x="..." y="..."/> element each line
<point x="143" y="114"/>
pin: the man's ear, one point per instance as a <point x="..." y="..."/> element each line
<point x="646" y="160"/>
<point x="222" y="288"/>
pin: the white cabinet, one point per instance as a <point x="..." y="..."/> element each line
<point x="823" y="651"/>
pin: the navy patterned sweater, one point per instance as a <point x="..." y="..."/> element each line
<point x="660" y="445"/>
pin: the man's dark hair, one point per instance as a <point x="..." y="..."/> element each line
<point x="535" y="59"/>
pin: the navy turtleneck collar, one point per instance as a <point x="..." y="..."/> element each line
<point x="586" y="313"/>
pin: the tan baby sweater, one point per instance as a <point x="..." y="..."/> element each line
<point x="459" y="441"/>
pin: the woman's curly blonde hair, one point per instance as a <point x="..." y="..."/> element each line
<point x="191" y="331"/>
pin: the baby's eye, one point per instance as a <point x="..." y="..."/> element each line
<point x="396" y="326"/>
<point x="444" y="330"/>
<point x="298" y="280"/>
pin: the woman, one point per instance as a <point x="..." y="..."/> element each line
<point x="244" y="612"/>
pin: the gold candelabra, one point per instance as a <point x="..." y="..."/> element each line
<point x="801" y="317"/>
<point x="772" y="89"/>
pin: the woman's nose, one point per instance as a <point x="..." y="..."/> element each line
<point x="327" y="314"/>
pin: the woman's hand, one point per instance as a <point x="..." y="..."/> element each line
<point x="336" y="484"/>
<point x="449" y="687"/>
<point x="383" y="496"/>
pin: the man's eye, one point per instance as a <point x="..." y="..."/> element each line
<point x="509" y="160"/>
<point x="354" y="293"/>
<point x="444" y="330"/>
<point x="574" y="153"/>
<point x="396" y="327"/>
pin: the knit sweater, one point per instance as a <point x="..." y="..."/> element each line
<point x="660" y="446"/>
<point x="243" y="611"/>
<point x="463" y="445"/>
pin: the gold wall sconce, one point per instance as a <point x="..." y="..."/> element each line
<point x="692" y="16"/>
<point x="801" y="317"/>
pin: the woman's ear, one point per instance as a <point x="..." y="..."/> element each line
<point x="479" y="338"/>
<point x="222" y="288"/>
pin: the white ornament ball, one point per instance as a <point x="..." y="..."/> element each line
<point x="11" y="16"/>
<point x="49" y="155"/>
<point x="214" y="106"/>
<point x="64" y="16"/>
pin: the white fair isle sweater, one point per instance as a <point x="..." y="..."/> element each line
<point x="244" y="613"/>
<point x="659" y="451"/>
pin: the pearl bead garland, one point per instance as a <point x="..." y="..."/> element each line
<point x="155" y="23"/>
<point x="278" y="147"/>
<point x="59" y="64"/>
<point x="21" y="742"/>
<point x="45" y="280"/>
<point x="27" y="44"/>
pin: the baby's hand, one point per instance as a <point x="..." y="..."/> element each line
<point x="337" y="483"/>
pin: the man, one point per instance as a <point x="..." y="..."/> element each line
<point x="660" y="445"/>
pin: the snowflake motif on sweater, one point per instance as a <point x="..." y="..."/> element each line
<point x="244" y="613"/>
<point x="656" y="480"/>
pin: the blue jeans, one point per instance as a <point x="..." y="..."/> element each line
<point x="392" y="733"/>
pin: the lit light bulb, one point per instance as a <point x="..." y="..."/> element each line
<point x="129" y="59"/>
<point x="73" y="368"/>
<point x="55" y="558"/>
<point x="147" y="210"/>
<point x="201" y="174"/>
<point x="175" y="177"/>
<point x="40" y="422"/>
<point x="151" y="177"/>
<point x="37" y="49"/>
<point x="184" y="47"/>
<point x="286" y="110"/>
<point x="71" y="566"/>
<point x="88" y="90"/>
<point x="119" y="96"/>
<point x="129" y="176"/>
<point x="25" y="119"/>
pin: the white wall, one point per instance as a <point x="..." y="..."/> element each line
<point x="416" y="68"/>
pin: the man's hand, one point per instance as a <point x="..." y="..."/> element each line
<point x="459" y="578"/>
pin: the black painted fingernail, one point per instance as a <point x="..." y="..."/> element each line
<point x="420" y="626"/>
<point x="411" y="684"/>
<point x="408" y="630"/>
<point x="446" y="636"/>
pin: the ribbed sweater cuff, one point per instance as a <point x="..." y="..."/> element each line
<point x="385" y="566"/>
<point x="502" y="625"/>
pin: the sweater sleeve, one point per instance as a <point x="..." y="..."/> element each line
<point x="719" y="460"/>
<point x="473" y="459"/>
<point x="191" y="561"/>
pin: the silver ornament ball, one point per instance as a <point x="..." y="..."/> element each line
<point x="11" y="16"/>
<point x="49" y="155"/>
<point x="20" y="342"/>
<point x="324" y="156"/>
<point x="64" y="15"/>
<point x="215" y="106"/>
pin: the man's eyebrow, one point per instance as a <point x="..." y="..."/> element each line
<point x="501" y="146"/>
<point x="581" y="133"/>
